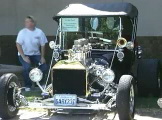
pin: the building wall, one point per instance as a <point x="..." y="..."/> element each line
<point x="13" y="12"/>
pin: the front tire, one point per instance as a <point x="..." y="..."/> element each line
<point x="125" y="98"/>
<point x="8" y="86"/>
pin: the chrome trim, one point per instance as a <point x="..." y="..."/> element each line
<point x="81" y="106"/>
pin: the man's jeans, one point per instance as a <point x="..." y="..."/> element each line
<point x="35" y="59"/>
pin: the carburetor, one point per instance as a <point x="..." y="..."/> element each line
<point x="80" y="50"/>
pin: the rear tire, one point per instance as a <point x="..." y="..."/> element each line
<point x="125" y="98"/>
<point x="8" y="108"/>
<point x="148" y="77"/>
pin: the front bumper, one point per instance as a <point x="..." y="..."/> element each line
<point x="81" y="106"/>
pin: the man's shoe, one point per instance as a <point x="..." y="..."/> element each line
<point x="159" y="102"/>
<point x="27" y="89"/>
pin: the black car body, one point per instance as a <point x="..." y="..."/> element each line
<point x="96" y="49"/>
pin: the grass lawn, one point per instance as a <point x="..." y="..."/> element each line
<point x="32" y="95"/>
<point x="149" y="102"/>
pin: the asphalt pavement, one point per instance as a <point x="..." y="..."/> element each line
<point x="142" y="114"/>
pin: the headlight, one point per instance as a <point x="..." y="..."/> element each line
<point x="108" y="76"/>
<point x="120" y="56"/>
<point x="56" y="55"/>
<point x="52" y="44"/>
<point x="130" y="45"/>
<point x="36" y="75"/>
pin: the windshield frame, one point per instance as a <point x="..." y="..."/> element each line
<point x="62" y="33"/>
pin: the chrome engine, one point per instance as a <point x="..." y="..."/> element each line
<point x="80" y="51"/>
<point x="100" y="76"/>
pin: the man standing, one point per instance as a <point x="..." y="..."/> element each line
<point x="31" y="48"/>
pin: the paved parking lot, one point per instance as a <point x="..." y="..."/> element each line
<point x="142" y="114"/>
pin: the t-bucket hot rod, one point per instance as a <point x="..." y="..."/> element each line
<point x="91" y="66"/>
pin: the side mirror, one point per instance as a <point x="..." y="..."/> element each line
<point x="139" y="52"/>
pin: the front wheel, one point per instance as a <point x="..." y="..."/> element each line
<point x="125" y="98"/>
<point x="8" y="99"/>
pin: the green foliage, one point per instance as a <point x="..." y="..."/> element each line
<point x="148" y="102"/>
<point x="111" y="34"/>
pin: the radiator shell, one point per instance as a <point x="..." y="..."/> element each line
<point x="69" y="78"/>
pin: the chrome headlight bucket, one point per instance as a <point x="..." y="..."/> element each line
<point x="56" y="55"/>
<point x="130" y="45"/>
<point x="108" y="76"/>
<point x="120" y="55"/>
<point x="36" y="75"/>
<point x="52" y="44"/>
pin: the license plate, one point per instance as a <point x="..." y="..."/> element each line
<point x="65" y="100"/>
